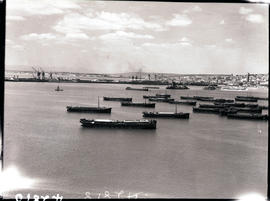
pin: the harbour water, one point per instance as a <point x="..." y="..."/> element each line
<point x="206" y="156"/>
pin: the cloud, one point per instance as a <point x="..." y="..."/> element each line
<point x="14" y="18"/>
<point x="75" y="22"/>
<point x="35" y="36"/>
<point x="40" y="7"/>
<point x="222" y="22"/>
<point x="76" y="36"/>
<point x="229" y="40"/>
<point x="245" y="11"/>
<point x="179" y="20"/>
<point x="196" y="8"/>
<point x="119" y="35"/>
<point x="254" y="18"/>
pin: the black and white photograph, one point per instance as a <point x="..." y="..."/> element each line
<point x="135" y="99"/>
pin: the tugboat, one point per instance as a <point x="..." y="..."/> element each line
<point x="151" y="105"/>
<point x="107" y="123"/>
<point x="89" y="109"/>
<point x="58" y="89"/>
<point x="210" y="87"/>
<point x="248" y="116"/>
<point x="117" y="99"/>
<point x="138" y="89"/>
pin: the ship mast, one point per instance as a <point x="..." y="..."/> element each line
<point x="98" y="101"/>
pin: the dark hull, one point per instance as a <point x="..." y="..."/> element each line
<point x="136" y="89"/>
<point x="116" y="99"/>
<point x="231" y="104"/>
<point x="206" y="110"/>
<point x="193" y="103"/>
<point x="162" y="115"/>
<point x="253" y="97"/>
<point x="223" y="101"/>
<point x="246" y="99"/>
<point x="187" y="98"/>
<point x="166" y="100"/>
<point x="201" y="98"/>
<point x="163" y="95"/>
<point x="119" y="124"/>
<point x="89" y="109"/>
<point x="211" y="106"/>
<point x="150" y="105"/>
<point x="248" y="116"/>
<point x="145" y="96"/>
<point x="249" y="110"/>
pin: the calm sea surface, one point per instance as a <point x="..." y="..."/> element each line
<point x="205" y="156"/>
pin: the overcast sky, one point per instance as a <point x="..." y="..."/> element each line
<point x="115" y="37"/>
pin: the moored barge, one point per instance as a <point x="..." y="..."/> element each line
<point x="116" y="99"/>
<point x="107" y="123"/>
<point x="151" y="105"/>
<point x="248" y="116"/>
<point x="137" y="89"/>
<point x="166" y="100"/>
<point x="193" y="103"/>
<point x="89" y="109"/>
<point x="246" y="99"/>
<point x="180" y="115"/>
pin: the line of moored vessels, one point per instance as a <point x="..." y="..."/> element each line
<point x="223" y="107"/>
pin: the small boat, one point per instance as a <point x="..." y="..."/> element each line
<point x="58" y="89"/>
<point x="248" y="116"/>
<point x="151" y="105"/>
<point x="116" y="99"/>
<point x="137" y="89"/>
<point x="193" y="103"/>
<point x="180" y="115"/>
<point x="107" y="123"/>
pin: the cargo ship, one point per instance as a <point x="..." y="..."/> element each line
<point x="166" y="100"/>
<point x="151" y="105"/>
<point x="137" y="89"/>
<point x="187" y="97"/>
<point x="87" y="109"/>
<point x="248" y="116"/>
<point x="221" y="100"/>
<point x="204" y="98"/>
<point x="246" y="99"/>
<point x="163" y="95"/>
<point x="253" y="97"/>
<point x="206" y="110"/>
<point x="193" y="103"/>
<point x="211" y="106"/>
<point x="150" y="87"/>
<point x="107" y="123"/>
<point x="180" y="115"/>
<point x="117" y="99"/>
